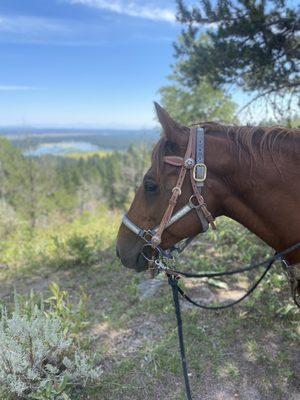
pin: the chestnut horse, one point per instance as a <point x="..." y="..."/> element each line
<point x="253" y="177"/>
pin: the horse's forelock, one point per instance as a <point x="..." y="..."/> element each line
<point x="158" y="155"/>
<point x="163" y="147"/>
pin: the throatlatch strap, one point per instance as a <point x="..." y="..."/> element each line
<point x="208" y="218"/>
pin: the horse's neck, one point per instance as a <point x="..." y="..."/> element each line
<point x="258" y="195"/>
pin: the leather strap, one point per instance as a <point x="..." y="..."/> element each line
<point x="174" y="160"/>
<point x="199" y="154"/>
<point x="196" y="189"/>
<point x="156" y="239"/>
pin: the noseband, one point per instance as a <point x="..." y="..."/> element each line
<point x="192" y="163"/>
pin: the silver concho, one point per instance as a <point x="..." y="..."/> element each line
<point x="189" y="163"/>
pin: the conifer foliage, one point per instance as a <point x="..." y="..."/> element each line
<point x="253" y="44"/>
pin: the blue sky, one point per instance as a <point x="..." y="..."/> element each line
<point x="84" y="63"/>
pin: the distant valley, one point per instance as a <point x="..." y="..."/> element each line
<point x="38" y="142"/>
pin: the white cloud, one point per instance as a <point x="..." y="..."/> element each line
<point x="130" y="8"/>
<point x="68" y="32"/>
<point x="24" y="24"/>
<point x="14" y="88"/>
<point x="58" y="32"/>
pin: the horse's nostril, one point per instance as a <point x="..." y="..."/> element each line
<point x="117" y="252"/>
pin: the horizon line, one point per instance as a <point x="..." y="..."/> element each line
<point x="74" y="128"/>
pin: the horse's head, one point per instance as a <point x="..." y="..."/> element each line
<point x="152" y="197"/>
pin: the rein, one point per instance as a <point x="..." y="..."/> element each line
<point x="173" y="279"/>
<point x="193" y="162"/>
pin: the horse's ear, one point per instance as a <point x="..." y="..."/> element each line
<point x="172" y="129"/>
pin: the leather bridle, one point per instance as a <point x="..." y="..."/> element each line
<point x="192" y="163"/>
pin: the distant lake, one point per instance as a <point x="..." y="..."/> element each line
<point x="61" y="148"/>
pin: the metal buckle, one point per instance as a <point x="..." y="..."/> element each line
<point x="204" y="172"/>
<point x="147" y="235"/>
<point x="177" y="189"/>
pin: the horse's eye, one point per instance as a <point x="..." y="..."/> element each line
<point x="150" y="186"/>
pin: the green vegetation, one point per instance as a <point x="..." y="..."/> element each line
<point x="202" y="103"/>
<point x="59" y="244"/>
<point x="34" y="190"/>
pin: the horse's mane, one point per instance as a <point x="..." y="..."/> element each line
<point x="257" y="141"/>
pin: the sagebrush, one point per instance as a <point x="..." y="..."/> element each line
<point x="39" y="358"/>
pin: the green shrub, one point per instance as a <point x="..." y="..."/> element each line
<point x="60" y="244"/>
<point x="80" y="249"/>
<point x="8" y="219"/>
<point x="73" y="317"/>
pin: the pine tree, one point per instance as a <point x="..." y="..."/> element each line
<point x="252" y="44"/>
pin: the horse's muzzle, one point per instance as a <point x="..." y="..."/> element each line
<point x="136" y="262"/>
